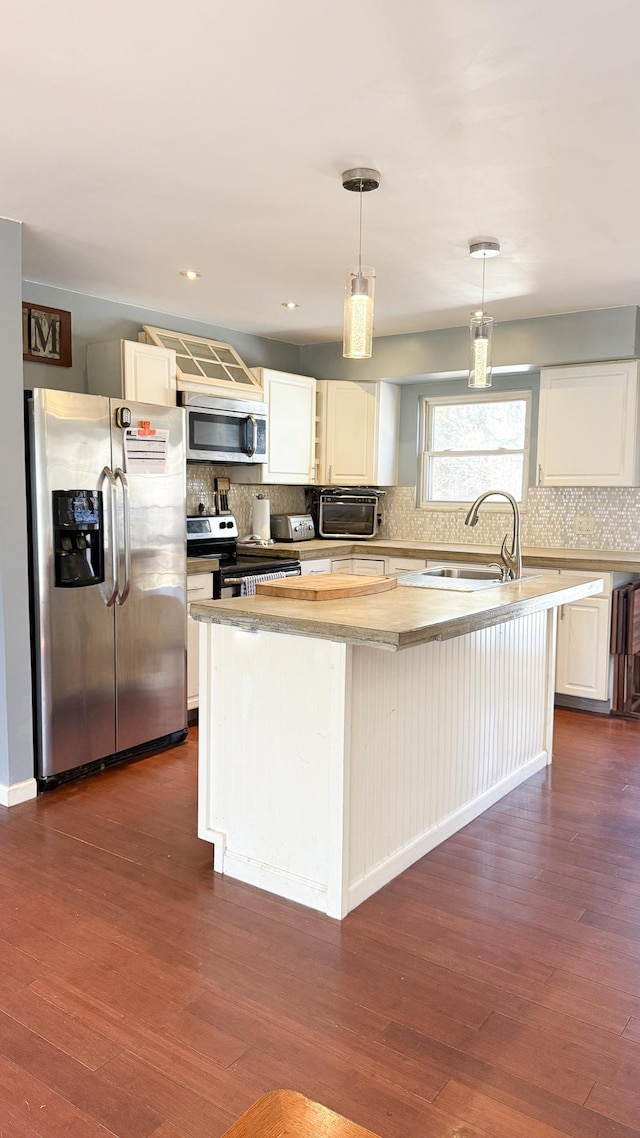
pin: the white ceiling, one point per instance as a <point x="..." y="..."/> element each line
<point x="142" y="137"/>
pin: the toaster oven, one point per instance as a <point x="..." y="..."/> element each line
<point x="344" y="514"/>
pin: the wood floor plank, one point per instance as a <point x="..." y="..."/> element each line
<point x="492" y="990"/>
<point x="505" y="1122"/>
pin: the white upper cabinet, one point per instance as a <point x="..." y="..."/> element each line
<point x="291" y="402"/>
<point x="126" y="369"/>
<point x="358" y="426"/>
<point x="588" y="426"/>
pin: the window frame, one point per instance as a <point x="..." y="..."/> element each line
<point x="430" y="401"/>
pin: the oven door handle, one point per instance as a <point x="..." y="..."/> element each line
<point x="260" y="577"/>
<point x="251" y="447"/>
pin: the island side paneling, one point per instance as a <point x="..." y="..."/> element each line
<point x="438" y="733"/>
<point x="328" y="768"/>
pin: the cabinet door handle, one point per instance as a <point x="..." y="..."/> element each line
<point x="540" y="475"/>
<point x="561" y="612"/>
<point x="329" y="475"/>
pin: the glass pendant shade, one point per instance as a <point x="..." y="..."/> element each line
<point x="481" y="331"/>
<point x="358" y="314"/>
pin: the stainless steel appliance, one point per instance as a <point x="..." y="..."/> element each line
<point x="107" y="506"/>
<point x="292" y="527"/>
<point x="347" y="512"/>
<point x="216" y="537"/>
<point x="224" y="430"/>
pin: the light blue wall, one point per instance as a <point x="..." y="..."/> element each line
<point x="412" y="393"/>
<point x="573" y="337"/>
<point x="16" y="731"/>
<point x="94" y="320"/>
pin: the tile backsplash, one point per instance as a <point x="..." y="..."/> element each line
<point x="551" y="519"/>
<point x="200" y="489"/>
<point x="554" y="517"/>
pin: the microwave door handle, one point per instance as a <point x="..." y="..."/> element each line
<point x="251" y="447"/>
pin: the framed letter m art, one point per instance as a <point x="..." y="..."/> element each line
<point x="46" y="335"/>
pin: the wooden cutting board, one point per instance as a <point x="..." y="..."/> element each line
<point x="325" y="586"/>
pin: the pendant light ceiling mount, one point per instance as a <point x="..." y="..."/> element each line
<point x="360" y="180"/>
<point x="358" y="302"/>
<point x="485" y="248"/>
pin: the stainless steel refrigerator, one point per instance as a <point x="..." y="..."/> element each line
<point x="108" y="549"/>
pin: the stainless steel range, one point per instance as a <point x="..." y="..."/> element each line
<point x="217" y="537"/>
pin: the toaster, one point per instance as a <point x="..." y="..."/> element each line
<point x="292" y="527"/>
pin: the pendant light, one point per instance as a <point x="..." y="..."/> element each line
<point x="481" y="326"/>
<point x="358" y="301"/>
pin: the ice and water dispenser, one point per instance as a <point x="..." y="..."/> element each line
<point x="78" y="538"/>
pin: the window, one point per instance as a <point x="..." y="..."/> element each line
<point x="472" y="444"/>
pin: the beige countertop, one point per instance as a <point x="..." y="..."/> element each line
<point x="401" y="617"/>
<point x="591" y="560"/>
<point x="202" y="565"/>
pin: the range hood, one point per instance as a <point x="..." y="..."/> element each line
<point x="208" y="366"/>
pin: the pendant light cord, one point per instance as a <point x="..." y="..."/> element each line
<point x="361" y="195"/>
<point x="484" y="263"/>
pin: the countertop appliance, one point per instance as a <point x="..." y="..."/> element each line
<point x="292" y="527"/>
<point x="108" y="580"/>
<point x="347" y="512"/>
<point x="216" y="537"/>
<point x="224" y="430"/>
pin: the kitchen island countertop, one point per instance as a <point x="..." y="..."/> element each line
<point x="400" y="618"/>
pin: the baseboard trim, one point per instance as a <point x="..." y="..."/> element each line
<point x="382" y="874"/>
<point x="18" y="792"/>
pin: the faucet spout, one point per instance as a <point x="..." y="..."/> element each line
<point x="511" y="558"/>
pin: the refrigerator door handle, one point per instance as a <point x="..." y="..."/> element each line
<point x="108" y="476"/>
<point x="126" y="514"/>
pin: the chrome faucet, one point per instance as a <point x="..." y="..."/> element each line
<point x="511" y="558"/>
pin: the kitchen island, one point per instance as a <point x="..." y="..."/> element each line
<point x="340" y="741"/>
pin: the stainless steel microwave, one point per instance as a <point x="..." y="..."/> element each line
<point x="344" y="513"/>
<point x="224" y="430"/>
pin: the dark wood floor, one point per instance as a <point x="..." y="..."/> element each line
<point x="493" y="989"/>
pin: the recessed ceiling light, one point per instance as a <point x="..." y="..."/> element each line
<point x="290" y="304"/>
<point x="190" y="274"/>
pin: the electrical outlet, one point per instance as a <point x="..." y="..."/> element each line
<point x="584" y="525"/>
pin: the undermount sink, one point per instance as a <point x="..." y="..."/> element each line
<point x="461" y="580"/>
<point x="482" y="573"/>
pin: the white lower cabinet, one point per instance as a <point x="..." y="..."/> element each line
<point x="583" y="658"/>
<point x="199" y="588"/>
<point x="342" y="565"/>
<point x="369" y="566"/>
<point x="317" y="565"/>
<point x="584" y="664"/>
<point x="404" y="564"/>
<point x="583" y="654"/>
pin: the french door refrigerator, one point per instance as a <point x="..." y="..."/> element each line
<point x="108" y="573"/>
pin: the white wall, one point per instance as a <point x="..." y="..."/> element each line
<point x="16" y="733"/>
